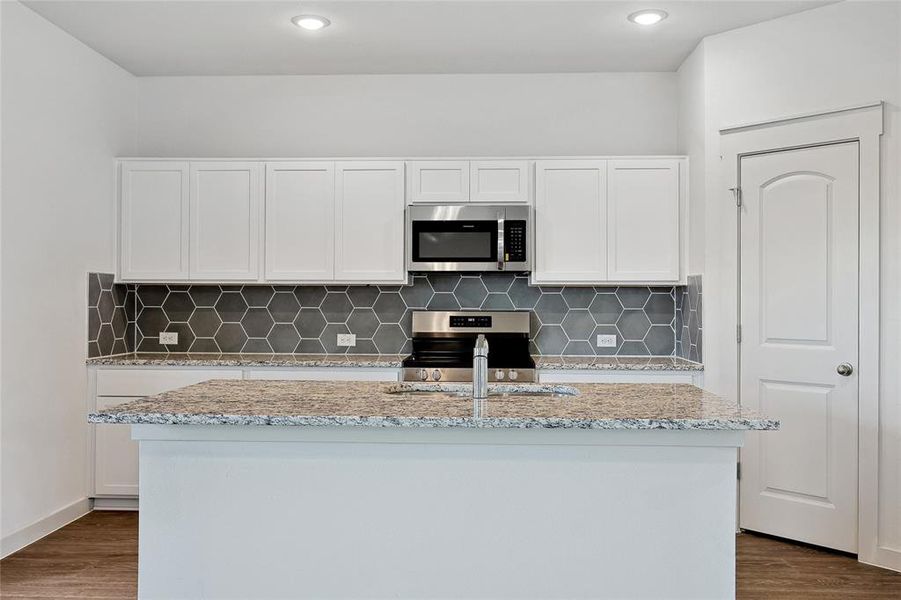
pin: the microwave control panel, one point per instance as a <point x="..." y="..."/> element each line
<point x="514" y="241"/>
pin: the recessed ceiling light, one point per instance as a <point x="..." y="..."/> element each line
<point x="648" y="17"/>
<point x="311" y="22"/>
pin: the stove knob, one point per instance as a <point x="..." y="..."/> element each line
<point x="423" y="375"/>
<point x="499" y="375"/>
<point x="513" y="375"/>
<point x="436" y="375"/>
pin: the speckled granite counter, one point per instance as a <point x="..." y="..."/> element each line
<point x="186" y="359"/>
<point x="369" y="404"/>
<point x="617" y="363"/>
<point x="193" y="359"/>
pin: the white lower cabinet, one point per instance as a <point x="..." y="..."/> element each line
<point x="327" y="374"/>
<point x="115" y="453"/>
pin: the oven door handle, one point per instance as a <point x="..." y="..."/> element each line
<point x="501" y="258"/>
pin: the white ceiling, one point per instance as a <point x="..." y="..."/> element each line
<point x="450" y="36"/>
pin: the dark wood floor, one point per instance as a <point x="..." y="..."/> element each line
<point x="97" y="557"/>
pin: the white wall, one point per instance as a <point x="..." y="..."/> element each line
<point x="425" y="115"/>
<point x="839" y="55"/>
<point x="66" y="112"/>
<point x="692" y="141"/>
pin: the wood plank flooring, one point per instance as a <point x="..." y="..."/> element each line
<point x="96" y="558"/>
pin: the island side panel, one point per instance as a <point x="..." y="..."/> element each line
<point x="464" y="516"/>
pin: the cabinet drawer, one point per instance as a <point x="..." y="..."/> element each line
<point x="146" y="382"/>
<point x="326" y="374"/>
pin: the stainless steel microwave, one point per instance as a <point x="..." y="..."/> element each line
<point x="468" y="238"/>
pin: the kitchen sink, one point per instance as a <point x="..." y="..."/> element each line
<point x="494" y="389"/>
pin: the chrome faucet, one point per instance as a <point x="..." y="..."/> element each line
<point x="479" y="375"/>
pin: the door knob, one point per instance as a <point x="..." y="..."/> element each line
<point x="845" y="369"/>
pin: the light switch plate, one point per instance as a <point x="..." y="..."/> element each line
<point x="168" y="338"/>
<point x="606" y="340"/>
<point x="348" y="340"/>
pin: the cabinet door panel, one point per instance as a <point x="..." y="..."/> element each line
<point x="115" y="455"/>
<point x="154" y="221"/>
<point x="499" y="181"/>
<point x="439" y="181"/>
<point x="643" y="220"/>
<point x="570" y="221"/>
<point x="300" y="221"/>
<point x="369" y="222"/>
<point x="225" y="221"/>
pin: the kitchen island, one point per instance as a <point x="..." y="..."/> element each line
<point x="288" y="489"/>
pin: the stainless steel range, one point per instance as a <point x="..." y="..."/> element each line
<point x="443" y="343"/>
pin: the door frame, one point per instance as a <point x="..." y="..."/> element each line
<point x="863" y="124"/>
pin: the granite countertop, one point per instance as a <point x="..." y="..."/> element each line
<point x="372" y="404"/>
<point x="194" y="359"/>
<point x="617" y="363"/>
<point x="188" y="359"/>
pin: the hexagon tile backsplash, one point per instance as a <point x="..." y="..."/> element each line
<point x="307" y="319"/>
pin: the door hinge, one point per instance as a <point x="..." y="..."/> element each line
<point x="738" y="471"/>
<point x="738" y="334"/>
<point x="736" y="191"/>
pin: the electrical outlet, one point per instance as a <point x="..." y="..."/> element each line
<point x="606" y="340"/>
<point x="348" y="340"/>
<point x="168" y="338"/>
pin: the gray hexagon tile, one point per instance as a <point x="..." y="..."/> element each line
<point x="389" y="339"/>
<point x="230" y="306"/>
<point x="633" y="297"/>
<point x="662" y="320"/>
<point x="389" y="307"/>
<point x="284" y="307"/>
<point x="363" y="296"/>
<point x="309" y="323"/>
<point x="633" y="324"/>
<point x="336" y="307"/>
<point x="419" y="294"/>
<point x="231" y="336"/>
<point x="470" y="292"/>
<point x="551" y="339"/>
<point x="363" y="323"/>
<point x="310" y="295"/>
<point x="606" y="309"/>
<point x="329" y="338"/>
<point x="551" y="309"/>
<point x="204" y="295"/>
<point x="283" y="338"/>
<point x="257" y="322"/>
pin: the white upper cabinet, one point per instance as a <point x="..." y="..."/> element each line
<point x="570" y="221"/>
<point x="439" y="181"/>
<point x="499" y="181"/>
<point x="643" y="220"/>
<point x="369" y="221"/>
<point x="225" y="221"/>
<point x="300" y="221"/>
<point x="154" y="221"/>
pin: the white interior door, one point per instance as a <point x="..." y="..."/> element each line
<point x="799" y="323"/>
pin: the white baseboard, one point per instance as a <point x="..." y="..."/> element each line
<point x="32" y="533"/>
<point x="887" y="558"/>
<point x="116" y="503"/>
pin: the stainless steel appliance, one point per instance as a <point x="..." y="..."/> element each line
<point x="468" y="238"/>
<point x="443" y="343"/>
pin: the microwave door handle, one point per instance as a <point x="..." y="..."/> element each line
<point x="500" y="241"/>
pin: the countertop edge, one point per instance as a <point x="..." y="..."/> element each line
<point x="433" y="422"/>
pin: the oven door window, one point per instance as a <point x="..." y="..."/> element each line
<point x="454" y="241"/>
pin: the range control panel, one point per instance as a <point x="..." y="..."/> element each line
<point x="481" y="321"/>
<point x="514" y="241"/>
